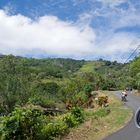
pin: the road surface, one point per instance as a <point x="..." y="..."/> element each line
<point x="130" y="131"/>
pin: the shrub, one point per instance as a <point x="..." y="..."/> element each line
<point x="53" y="129"/>
<point x="70" y="121"/>
<point x="103" y="100"/>
<point x="108" y="84"/>
<point x="21" y="124"/>
<point x="78" y="114"/>
<point x="30" y="124"/>
<point x="59" y="127"/>
<point x="42" y="101"/>
<point x="51" y="87"/>
<point x="88" y="89"/>
<point x="75" y="117"/>
<point x="79" y="99"/>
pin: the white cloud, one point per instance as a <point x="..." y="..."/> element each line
<point x="50" y="36"/>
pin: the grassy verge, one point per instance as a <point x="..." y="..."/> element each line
<point x="90" y="66"/>
<point x="99" y="127"/>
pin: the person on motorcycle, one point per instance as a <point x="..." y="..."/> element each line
<point x="124" y="95"/>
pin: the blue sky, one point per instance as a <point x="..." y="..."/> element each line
<point x="80" y="29"/>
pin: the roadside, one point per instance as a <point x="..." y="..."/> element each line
<point x="130" y="131"/>
<point x="98" y="127"/>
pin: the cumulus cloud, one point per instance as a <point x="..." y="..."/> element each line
<point x="49" y="36"/>
<point x="48" y="33"/>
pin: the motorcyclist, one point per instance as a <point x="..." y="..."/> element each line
<point x="124" y="95"/>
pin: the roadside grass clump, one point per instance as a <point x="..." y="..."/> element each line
<point x="102" y="112"/>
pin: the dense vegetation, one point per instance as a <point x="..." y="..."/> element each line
<point x="135" y="73"/>
<point x="30" y="86"/>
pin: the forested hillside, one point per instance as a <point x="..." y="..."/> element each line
<point x="28" y="87"/>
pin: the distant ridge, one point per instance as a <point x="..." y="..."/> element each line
<point x="1" y="55"/>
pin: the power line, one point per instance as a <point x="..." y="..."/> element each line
<point x="132" y="53"/>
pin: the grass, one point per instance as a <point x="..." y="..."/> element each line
<point x="90" y="66"/>
<point x="56" y="80"/>
<point x="99" y="127"/>
<point x="111" y="123"/>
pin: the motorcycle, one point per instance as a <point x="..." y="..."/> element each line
<point x="124" y="95"/>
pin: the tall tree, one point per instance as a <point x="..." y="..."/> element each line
<point x="14" y="82"/>
<point x="135" y="71"/>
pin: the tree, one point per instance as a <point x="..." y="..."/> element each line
<point x="135" y="66"/>
<point x="88" y="89"/>
<point x="14" y="82"/>
<point x="135" y="71"/>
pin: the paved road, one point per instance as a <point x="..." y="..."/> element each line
<point x="130" y="131"/>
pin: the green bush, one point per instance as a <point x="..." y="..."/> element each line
<point x="79" y="99"/>
<point x="70" y="121"/>
<point x="89" y="88"/>
<point x="78" y="114"/>
<point x="59" y="127"/>
<point x="54" y="129"/>
<point x="29" y="124"/>
<point x="75" y="117"/>
<point x="21" y="124"/>
<point x="81" y="95"/>
<point x="108" y="84"/>
<point x="42" y="101"/>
